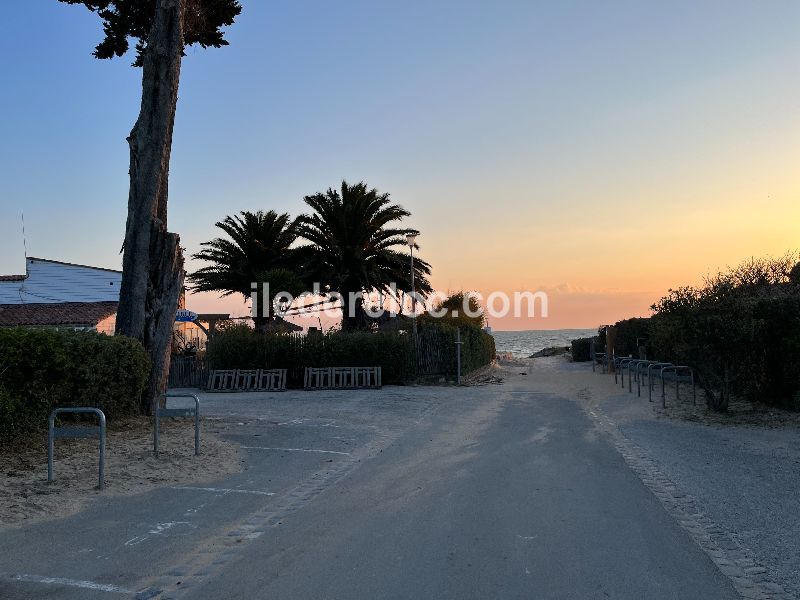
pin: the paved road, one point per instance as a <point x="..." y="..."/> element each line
<point x="491" y="492"/>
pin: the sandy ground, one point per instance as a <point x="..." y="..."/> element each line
<point x="553" y="372"/>
<point x="131" y="468"/>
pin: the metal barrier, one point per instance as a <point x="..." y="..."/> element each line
<point x="178" y="412"/>
<point x="222" y="379"/>
<point x="625" y="362"/>
<point x="652" y="370"/>
<point x="639" y="369"/>
<point x="271" y="380"/>
<point x="247" y="380"/>
<point x="680" y="374"/>
<point x="635" y="375"/>
<point x="342" y="378"/>
<point x="597" y="358"/>
<point x="617" y="360"/>
<point x="54" y="432"/>
<point x="642" y="373"/>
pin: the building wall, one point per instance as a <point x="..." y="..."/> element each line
<point x="50" y="281"/>
<point x="107" y="325"/>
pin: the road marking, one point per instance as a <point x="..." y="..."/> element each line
<point x="222" y="490"/>
<point x="136" y="540"/>
<point x="87" y="585"/>
<point x="305" y="421"/>
<point x="296" y="450"/>
<point x="162" y="527"/>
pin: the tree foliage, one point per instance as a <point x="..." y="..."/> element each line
<point x="454" y="311"/>
<point x="356" y="246"/>
<point x="740" y="331"/>
<point x="124" y="20"/>
<point x="257" y="250"/>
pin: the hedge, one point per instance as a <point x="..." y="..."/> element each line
<point x="630" y="335"/>
<point x="437" y="347"/>
<point x="242" y="348"/>
<point x="747" y="348"/>
<point x="580" y="350"/>
<point x="41" y="369"/>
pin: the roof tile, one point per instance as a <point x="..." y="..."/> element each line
<point x="76" y="314"/>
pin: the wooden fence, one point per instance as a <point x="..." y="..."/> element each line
<point x="187" y="372"/>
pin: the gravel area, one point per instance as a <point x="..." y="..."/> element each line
<point x="746" y="479"/>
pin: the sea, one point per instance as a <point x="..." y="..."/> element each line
<point x="524" y="343"/>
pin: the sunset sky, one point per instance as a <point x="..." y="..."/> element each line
<point x="601" y="152"/>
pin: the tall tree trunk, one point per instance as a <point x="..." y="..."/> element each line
<point x="152" y="263"/>
<point x="356" y="306"/>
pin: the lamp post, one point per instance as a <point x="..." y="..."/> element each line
<point x="411" y="239"/>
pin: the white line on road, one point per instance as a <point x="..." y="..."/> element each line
<point x="87" y="585"/>
<point x="223" y="490"/>
<point x="296" y="450"/>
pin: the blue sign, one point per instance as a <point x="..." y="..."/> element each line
<point x="185" y="316"/>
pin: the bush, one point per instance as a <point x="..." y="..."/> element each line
<point x="580" y="350"/>
<point x="242" y="348"/>
<point x="740" y="331"/>
<point x="629" y="335"/>
<point x="748" y="348"/>
<point x="437" y="347"/>
<point x="41" y="369"/>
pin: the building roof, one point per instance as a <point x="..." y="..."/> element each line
<point x="50" y="281"/>
<point x="32" y="259"/>
<point x="73" y="314"/>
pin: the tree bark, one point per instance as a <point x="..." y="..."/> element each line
<point x="152" y="263"/>
<point x="358" y="320"/>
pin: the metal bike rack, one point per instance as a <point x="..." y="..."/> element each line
<point x="617" y="361"/>
<point x="682" y="374"/>
<point x="178" y="412"/>
<point x="597" y="358"/>
<point x="650" y="367"/>
<point x="634" y="375"/>
<point x="640" y="373"/>
<point x="625" y="363"/>
<point x="54" y="432"/>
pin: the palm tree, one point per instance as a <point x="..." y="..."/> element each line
<point x="257" y="249"/>
<point x="355" y="248"/>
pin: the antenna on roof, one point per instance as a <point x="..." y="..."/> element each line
<point x="24" y="241"/>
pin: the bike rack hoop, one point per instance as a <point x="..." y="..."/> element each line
<point x="159" y="412"/>
<point x="682" y="373"/>
<point x="54" y="433"/>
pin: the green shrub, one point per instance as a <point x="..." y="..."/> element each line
<point x="748" y="348"/>
<point x="740" y="331"/>
<point x="580" y="350"/>
<point x="437" y="347"/>
<point x="630" y="335"/>
<point x="242" y="348"/>
<point x="41" y="369"/>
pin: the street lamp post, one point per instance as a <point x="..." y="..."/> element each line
<point x="411" y="238"/>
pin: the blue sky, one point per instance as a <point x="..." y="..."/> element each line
<point x="511" y="130"/>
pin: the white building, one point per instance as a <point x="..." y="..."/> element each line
<point x="58" y="294"/>
<point x="52" y="293"/>
<point x="51" y="281"/>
